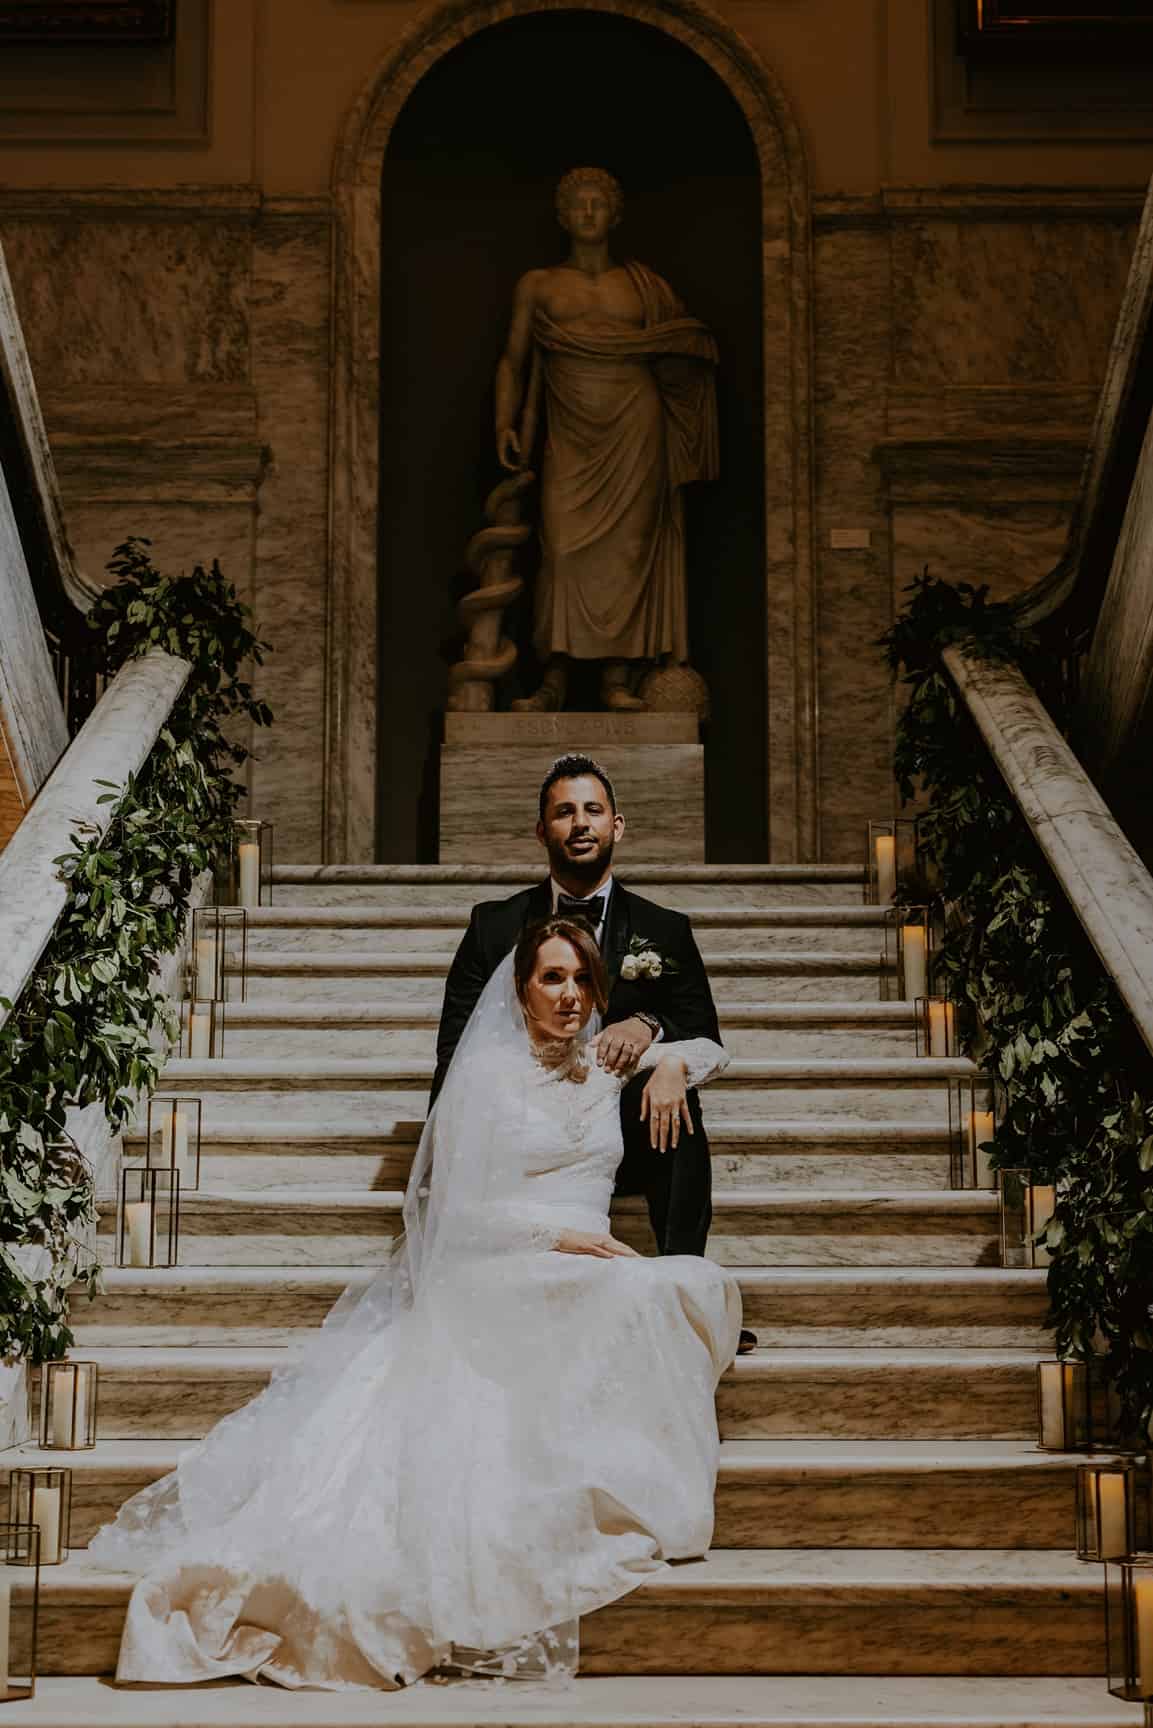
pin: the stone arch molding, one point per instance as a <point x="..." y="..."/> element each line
<point x="351" y="671"/>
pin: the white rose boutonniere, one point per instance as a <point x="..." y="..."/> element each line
<point x="645" y="961"/>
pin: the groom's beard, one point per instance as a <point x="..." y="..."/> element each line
<point x="587" y="867"/>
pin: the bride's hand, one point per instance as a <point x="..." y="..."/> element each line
<point x="665" y="1104"/>
<point x="600" y="1247"/>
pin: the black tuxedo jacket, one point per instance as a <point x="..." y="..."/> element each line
<point x="680" y="999"/>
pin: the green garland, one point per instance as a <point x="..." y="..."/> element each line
<point x="85" y="1028"/>
<point x="1048" y="1021"/>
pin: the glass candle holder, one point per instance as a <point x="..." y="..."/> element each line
<point x="1113" y="1509"/>
<point x="973" y="1117"/>
<point x="173" y="1136"/>
<point x="19" y="1611"/>
<point x="218" y="954"/>
<point x="1077" y="1408"/>
<point x="935" y="1025"/>
<point x="41" y="1496"/>
<point x="909" y="952"/>
<point x="204" y="1030"/>
<point x="249" y="875"/>
<point x="1026" y="1208"/>
<point x="1129" y="1627"/>
<point x="890" y="858"/>
<point x="148" y="1227"/>
<point x="68" y="1406"/>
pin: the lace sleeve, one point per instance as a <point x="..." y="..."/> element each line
<point x="703" y="1059"/>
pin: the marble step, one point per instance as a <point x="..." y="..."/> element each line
<point x="817" y="972"/>
<point x="338" y="1153"/>
<point x="752" y="1226"/>
<point x="379" y="1091"/>
<point x="873" y="1308"/>
<point x="179" y="1392"/>
<point x="756" y="1611"/>
<point x="622" y="1701"/>
<point x="399" y="885"/>
<point x="792" y="1494"/>
<point x="725" y="929"/>
<point x="756" y="1030"/>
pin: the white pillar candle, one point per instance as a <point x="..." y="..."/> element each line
<point x="249" y="857"/>
<point x="1051" y="1386"/>
<point x="942" y="1025"/>
<point x="138" y="1232"/>
<point x="5" y="1631"/>
<point x="64" y="1386"/>
<point x="1042" y="1204"/>
<point x="915" y="960"/>
<point x="885" y="856"/>
<point x="1143" y="1630"/>
<point x="1112" y="1532"/>
<point x="46" y="1509"/>
<point x="174" y="1139"/>
<point x="981" y="1128"/>
<point x="200" y="1034"/>
<point x="205" y="988"/>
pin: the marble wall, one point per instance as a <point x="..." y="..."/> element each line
<point x="181" y="341"/>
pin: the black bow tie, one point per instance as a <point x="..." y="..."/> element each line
<point x="593" y="909"/>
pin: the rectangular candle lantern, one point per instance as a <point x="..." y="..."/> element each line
<point x="907" y="963"/>
<point x="1078" y="1409"/>
<point x="68" y="1405"/>
<point x="218" y="954"/>
<point x="1027" y="1208"/>
<point x="973" y="1111"/>
<point x="890" y="858"/>
<point x="1113" y="1509"/>
<point x="935" y="1024"/>
<point x="149" y="1223"/>
<point x="19" y="1611"/>
<point x="1129" y="1627"/>
<point x="204" y="1030"/>
<point x="250" y="865"/>
<point x="41" y="1496"/>
<point x="174" y="1136"/>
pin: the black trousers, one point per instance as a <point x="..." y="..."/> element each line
<point x="677" y="1184"/>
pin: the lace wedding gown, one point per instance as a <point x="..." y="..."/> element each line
<point x="494" y="1440"/>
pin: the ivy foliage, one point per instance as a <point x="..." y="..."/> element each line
<point x="90" y="1026"/>
<point x="1046" y="1020"/>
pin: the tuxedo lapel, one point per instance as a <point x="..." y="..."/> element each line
<point x="539" y="904"/>
<point x="617" y="932"/>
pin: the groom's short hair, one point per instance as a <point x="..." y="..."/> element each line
<point x="571" y="768"/>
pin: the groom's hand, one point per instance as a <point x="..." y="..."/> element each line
<point x="621" y="1046"/>
<point x="665" y="1104"/>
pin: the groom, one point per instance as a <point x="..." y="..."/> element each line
<point x="578" y="826"/>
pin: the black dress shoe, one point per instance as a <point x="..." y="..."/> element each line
<point x="746" y="1342"/>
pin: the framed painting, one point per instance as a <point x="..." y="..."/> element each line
<point x="145" y="21"/>
<point x="992" y="22"/>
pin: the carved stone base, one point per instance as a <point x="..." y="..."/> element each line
<point x="491" y="767"/>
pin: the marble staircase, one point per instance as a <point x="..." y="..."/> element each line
<point x="890" y="1546"/>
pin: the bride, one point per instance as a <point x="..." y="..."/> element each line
<point x="512" y="1426"/>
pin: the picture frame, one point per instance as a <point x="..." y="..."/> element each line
<point x="149" y="22"/>
<point x="1021" y="24"/>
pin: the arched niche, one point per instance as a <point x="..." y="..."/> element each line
<point x="781" y="757"/>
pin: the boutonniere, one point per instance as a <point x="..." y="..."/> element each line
<point x="642" y="960"/>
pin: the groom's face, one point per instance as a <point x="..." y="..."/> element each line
<point x="579" y="829"/>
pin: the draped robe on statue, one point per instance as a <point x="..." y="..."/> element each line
<point x="631" y="418"/>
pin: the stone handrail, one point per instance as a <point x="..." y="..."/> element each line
<point x="1101" y="875"/>
<point x="112" y="744"/>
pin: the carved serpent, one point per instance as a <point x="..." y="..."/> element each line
<point x="488" y="654"/>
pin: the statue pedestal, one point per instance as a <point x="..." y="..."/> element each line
<point x="491" y="767"/>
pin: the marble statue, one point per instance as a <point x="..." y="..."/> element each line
<point x="603" y="354"/>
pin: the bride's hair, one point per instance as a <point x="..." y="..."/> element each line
<point x="578" y="935"/>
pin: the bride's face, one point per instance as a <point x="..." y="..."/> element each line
<point x="558" y="997"/>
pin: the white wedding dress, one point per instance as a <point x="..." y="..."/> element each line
<point x="492" y="1441"/>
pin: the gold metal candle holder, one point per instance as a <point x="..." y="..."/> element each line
<point x="41" y="1496"/>
<point x="1113" y="1509"/>
<point x="68" y="1406"/>
<point x="148" y="1227"/>
<point x="909" y="952"/>
<point x="1129" y="1627"/>
<point x="1026" y="1208"/>
<point x="250" y="865"/>
<point x="173" y="1136"/>
<point x="218" y="954"/>
<point x="935" y="1026"/>
<point x="204" y="1030"/>
<point x="19" y="1612"/>
<point x="973" y="1116"/>
<point x="1078" y="1409"/>
<point x="890" y="858"/>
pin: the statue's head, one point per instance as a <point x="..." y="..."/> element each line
<point x="589" y="202"/>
